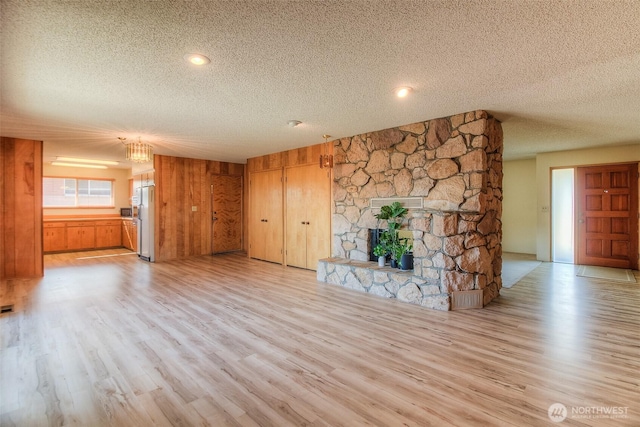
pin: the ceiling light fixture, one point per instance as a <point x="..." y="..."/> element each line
<point x="326" y="158"/>
<point x="293" y="123"/>
<point x="137" y="151"/>
<point x="79" y="165"/>
<point x="76" y="160"/>
<point x="196" y="59"/>
<point x="402" y="91"/>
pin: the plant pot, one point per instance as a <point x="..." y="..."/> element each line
<point x="406" y="262"/>
<point x="381" y="260"/>
<point x="393" y="263"/>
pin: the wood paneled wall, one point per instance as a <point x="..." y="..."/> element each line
<point x="182" y="184"/>
<point x="295" y="157"/>
<point x="21" y="218"/>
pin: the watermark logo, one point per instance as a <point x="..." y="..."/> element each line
<point x="557" y="412"/>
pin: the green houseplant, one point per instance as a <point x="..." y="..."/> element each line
<point x="394" y="214"/>
<point x="405" y="254"/>
<point x="381" y="252"/>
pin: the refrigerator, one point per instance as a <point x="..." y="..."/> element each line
<point x="145" y="198"/>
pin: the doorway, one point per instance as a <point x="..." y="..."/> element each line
<point x="562" y="215"/>
<point x="594" y="215"/>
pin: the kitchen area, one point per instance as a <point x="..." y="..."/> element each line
<point x="71" y="229"/>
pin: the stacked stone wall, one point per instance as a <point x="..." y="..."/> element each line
<point x="455" y="164"/>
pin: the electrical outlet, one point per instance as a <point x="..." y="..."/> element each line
<point x="194" y="209"/>
<point x="545" y="209"/>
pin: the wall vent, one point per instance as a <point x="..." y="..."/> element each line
<point x="407" y="202"/>
<point x="461" y="300"/>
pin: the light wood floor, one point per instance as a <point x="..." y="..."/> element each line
<point x="226" y="340"/>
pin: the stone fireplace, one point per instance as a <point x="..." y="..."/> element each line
<point x="454" y="164"/>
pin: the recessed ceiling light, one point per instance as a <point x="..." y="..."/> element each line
<point x="293" y="123"/>
<point x="196" y="59"/>
<point x="97" y="162"/>
<point x="402" y="91"/>
<point x="79" y="165"/>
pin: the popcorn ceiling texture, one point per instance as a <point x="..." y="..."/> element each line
<point x="78" y="74"/>
<point x="455" y="164"/>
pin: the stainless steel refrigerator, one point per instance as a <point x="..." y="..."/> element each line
<point x="145" y="196"/>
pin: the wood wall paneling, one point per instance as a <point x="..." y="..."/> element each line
<point x="183" y="204"/>
<point x="296" y="157"/>
<point x="22" y="208"/>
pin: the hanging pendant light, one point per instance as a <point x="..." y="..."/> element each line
<point x="137" y="151"/>
<point x="326" y="159"/>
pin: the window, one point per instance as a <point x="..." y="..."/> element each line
<point x="76" y="192"/>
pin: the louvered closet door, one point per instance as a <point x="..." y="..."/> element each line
<point x="608" y="215"/>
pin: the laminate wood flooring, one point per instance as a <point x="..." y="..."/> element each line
<point x="229" y="341"/>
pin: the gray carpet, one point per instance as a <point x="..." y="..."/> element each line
<point x="516" y="266"/>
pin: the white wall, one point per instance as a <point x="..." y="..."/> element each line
<point x="519" y="206"/>
<point x="546" y="161"/>
<point x="121" y="188"/>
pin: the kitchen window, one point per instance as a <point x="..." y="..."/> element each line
<point x="60" y="192"/>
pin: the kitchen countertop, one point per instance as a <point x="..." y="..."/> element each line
<point x="64" y="219"/>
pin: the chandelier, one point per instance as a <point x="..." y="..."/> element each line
<point x="326" y="159"/>
<point x="137" y="151"/>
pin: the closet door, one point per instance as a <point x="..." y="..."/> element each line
<point x="319" y="217"/>
<point x="308" y="203"/>
<point x="266" y="217"/>
<point x="297" y="217"/>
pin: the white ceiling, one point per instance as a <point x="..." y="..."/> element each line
<point x="560" y="75"/>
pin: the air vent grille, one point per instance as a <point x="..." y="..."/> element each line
<point x="407" y="202"/>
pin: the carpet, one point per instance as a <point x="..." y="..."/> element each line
<point x="606" y="273"/>
<point x="516" y="266"/>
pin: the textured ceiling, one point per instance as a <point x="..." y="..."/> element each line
<point x="560" y="75"/>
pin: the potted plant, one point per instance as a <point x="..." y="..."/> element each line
<point x="394" y="215"/>
<point x="406" y="255"/>
<point x="381" y="252"/>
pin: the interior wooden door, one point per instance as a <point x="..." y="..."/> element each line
<point x="266" y="219"/>
<point x="226" y="203"/>
<point x="296" y="216"/>
<point x="608" y="215"/>
<point x="256" y="217"/>
<point x="308" y="215"/>
<point x="319" y="217"/>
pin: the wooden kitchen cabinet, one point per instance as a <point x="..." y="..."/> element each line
<point x="54" y="237"/>
<point x="130" y="235"/>
<point x="108" y="234"/>
<point x="81" y="235"/>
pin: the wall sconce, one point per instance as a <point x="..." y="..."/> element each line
<point x="326" y="159"/>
